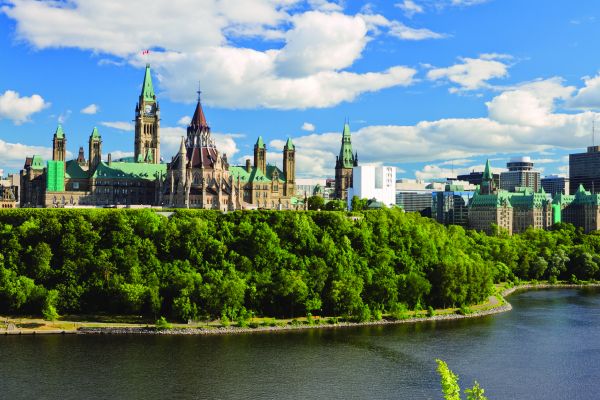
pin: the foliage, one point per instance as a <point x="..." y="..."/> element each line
<point x="451" y="388"/>
<point x="316" y="203"/>
<point x="162" y="323"/>
<point x="281" y="264"/>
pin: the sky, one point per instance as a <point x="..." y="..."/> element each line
<point x="433" y="87"/>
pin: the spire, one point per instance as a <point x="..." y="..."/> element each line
<point x="346" y="157"/>
<point x="487" y="173"/>
<point x="259" y="143"/>
<point x="147" y="87"/>
<point x="199" y="120"/>
<point x="60" y="134"/>
<point x="289" y="145"/>
<point x="95" y="133"/>
<point x="182" y="146"/>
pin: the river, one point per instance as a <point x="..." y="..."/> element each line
<point x="548" y="347"/>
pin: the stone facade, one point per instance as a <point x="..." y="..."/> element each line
<point x="344" y="163"/>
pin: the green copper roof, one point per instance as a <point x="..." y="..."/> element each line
<point x="59" y="132"/>
<point x="37" y="162"/>
<point x="346" y="157"/>
<point x="255" y="175"/>
<point x="124" y="170"/>
<point x="289" y="145"/>
<point x="487" y="173"/>
<point x="147" y="87"/>
<point x="490" y="200"/>
<point x="95" y="133"/>
<point x="259" y="143"/>
<point x="74" y="171"/>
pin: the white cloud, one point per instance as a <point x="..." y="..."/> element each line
<point x="588" y="97"/>
<point x="184" y="121"/>
<point x="432" y="171"/>
<point x="410" y="8"/>
<point x="535" y="128"/>
<point x="19" y="109"/>
<point x="306" y="70"/>
<point x="12" y="155"/>
<point x="307" y="126"/>
<point x="120" y="125"/>
<point x="91" y="109"/>
<point x="402" y="31"/>
<point x="118" y="154"/>
<point x="471" y="73"/>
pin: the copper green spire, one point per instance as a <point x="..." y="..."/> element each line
<point x="147" y="88"/>
<point x="487" y="173"/>
<point x="289" y="145"/>
<point x="346" y="157"/>
<point x="95" y="133"/>
<point x="59" y="132"/>
<point x="259" y="143"/>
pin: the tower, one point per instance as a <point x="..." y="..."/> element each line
<point x="260" y="155"/>
<point x="147" y="123"/>
<point x="289" y="167"/>
<point x="95" y="149"/>
<point x="59" y="145"/>
<point x="488" y="186"/>
<point x="344" y="163"/>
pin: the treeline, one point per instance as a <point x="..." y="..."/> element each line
<point x="199" y="264"/>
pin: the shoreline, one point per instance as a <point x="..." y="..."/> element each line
<point x="502" y="306"/>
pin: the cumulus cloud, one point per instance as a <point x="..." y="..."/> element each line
<point x="307" y="126"/>
<point x="587" y="97"/>
<point x="119" y="125"/>
<point x="432" y="171"/>
<point x="12" y="155"/>
<point x="308" y="69"/>
<point x="507" y="128"/>
<point x="471" y="73"/>
<point x="91" y="109"/>
<point x="19" y="108"/>
<point x="184" y="121"/>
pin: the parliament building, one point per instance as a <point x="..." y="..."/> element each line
<point x="198" y="176"/>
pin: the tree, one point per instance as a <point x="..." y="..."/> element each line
<point x="450" y="387"/>
<point x="359" y="204"/>
<point x="316" y="203"/>
<point x="335" y="205"/>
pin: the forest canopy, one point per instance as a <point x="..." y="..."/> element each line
<point x="201" y="264"/>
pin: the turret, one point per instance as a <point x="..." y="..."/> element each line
<point x="95" y="149"/>
<point x="59" y="145"/>
<point x="260" y="155"/>
<point x="289" y="167"/>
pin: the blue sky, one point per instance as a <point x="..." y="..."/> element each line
<point x="429" y="86"/>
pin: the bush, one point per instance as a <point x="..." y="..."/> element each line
<point x="162" y="323"/>
<point x="377" y="315"/>
<point x="333" y="320"/>
<point x="464" y="310"/>
<point x="574" y="280"/>
<point x="430" y="312"/>
<point x="225" y="321"/>
<point x="552" y="280"/>
<point x="399" y="311"/>
<point x="364" y="314"/>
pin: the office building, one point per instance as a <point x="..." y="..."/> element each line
<point x="520" y="174"/>
<point x="373" y="182"/>
<point x="584" y="169"/>
<point x="555" y="184"/>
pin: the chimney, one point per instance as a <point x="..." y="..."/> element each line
<point x="109" y="159"/>
<point x="248" y="165"/>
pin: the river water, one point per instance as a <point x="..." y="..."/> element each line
<point x="548" y="347"/>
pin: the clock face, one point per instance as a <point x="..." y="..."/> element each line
<point x="148" y="109"/>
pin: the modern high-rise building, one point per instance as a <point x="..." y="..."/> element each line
<point x="520" y="174"/>
<point x="555" y="184"/>
<point x="584" y="169"/>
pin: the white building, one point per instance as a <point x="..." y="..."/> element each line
<point x="373" y="182"/>
<point x="306" y="186"/>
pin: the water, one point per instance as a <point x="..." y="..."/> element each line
<point x="548" y="347"/>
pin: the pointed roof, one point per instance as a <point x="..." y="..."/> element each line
<point x="147" y="87"/>
<point x="289" y="145"/>
<point x="60" y="134"/>
<point x="95" y="133"/>
<point x="182" y="146"/>
<point x="346" y="131"/>
<point x="346" y="157"/>
<point x="259" y="143"/>
<point x="487" y="173"/>
<point x="199" y="120"/>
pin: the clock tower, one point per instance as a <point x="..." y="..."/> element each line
<point x="147" y="124"/>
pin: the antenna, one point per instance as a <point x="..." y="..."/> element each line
<point x="199" y="91"/>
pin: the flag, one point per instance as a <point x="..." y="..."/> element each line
<point x="145" y="52"/>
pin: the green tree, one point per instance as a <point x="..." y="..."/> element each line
<point x="316" y="203"/>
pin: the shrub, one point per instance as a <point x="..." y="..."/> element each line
<point x="399" y="311"/>
<point x="430" y="312"/>
<point x="225" y="321"/>
<point x="464" y="310"/>
<point x="333" y="320"/>
<point x="162" y="323"/>
<point x="377" y="315"/>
